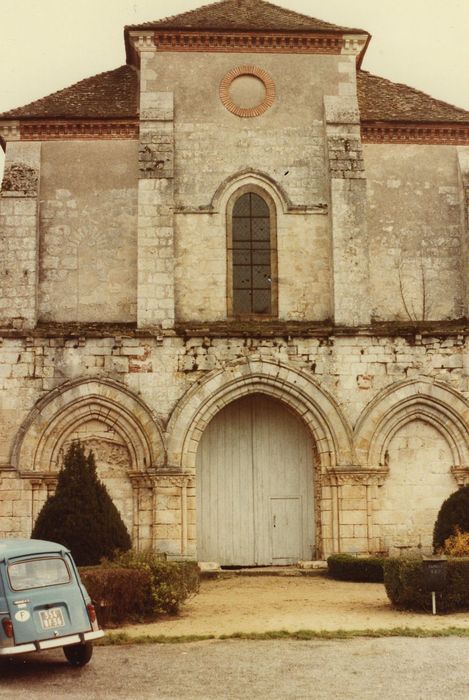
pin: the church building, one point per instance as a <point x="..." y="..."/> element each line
<point x="236" y="269"/>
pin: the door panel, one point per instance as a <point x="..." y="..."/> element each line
<point x="255" y="455"/>
<point x="286" y="529"/>
<point x="225" y="488"/>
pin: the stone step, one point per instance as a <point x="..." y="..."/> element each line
<point x="310" y="568"/>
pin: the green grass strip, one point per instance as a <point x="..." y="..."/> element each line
<point x="123" y="638"/>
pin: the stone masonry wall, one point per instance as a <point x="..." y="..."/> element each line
<point x="415" y="232"/>
<point x="358" y="513"/>
<point x="88" y="237"/>
<point x="349" y="236"/>
<point x="215" y="149"/>
<point x="19" y="235"/>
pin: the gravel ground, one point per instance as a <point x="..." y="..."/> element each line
<point x="359" y="668"/>
<point x="265" y="603"/>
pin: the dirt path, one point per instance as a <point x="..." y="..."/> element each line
<point x="260" y="604"/>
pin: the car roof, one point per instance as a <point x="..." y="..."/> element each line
<point x="13" y="547"/>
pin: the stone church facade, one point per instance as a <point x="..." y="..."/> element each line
<point x="236" y="268"/>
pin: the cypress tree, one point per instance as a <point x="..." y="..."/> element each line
<point x="81" y="515"/>
<point x="453" y="513"/>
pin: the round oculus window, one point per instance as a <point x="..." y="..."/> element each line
<point x="247" y="91"/>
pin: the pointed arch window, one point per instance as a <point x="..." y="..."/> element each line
<point x="252" y="255"/>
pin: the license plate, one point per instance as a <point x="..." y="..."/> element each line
<point x="51" y="618"/>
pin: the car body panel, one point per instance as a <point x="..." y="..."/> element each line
<point x="41" y="593"/>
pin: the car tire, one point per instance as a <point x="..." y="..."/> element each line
<point x="78" y="654"/>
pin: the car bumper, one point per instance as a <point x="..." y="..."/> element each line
<point x="51" y="643"/>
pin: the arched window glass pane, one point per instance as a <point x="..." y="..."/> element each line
<point x="252" y="274"/>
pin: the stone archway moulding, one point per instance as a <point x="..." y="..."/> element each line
<point x="249" y="178"/>
<point x="320" y="413"/>
<point x="421" y="399"/>
<point x="57" y="415"/>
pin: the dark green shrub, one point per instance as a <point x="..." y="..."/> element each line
<point x="404" y="580"/>
<point x="119" y="594"/>
<point x="81" y="514"/>
<point x="346" y="567"/>
<point x="454" y="513"/>
<point x="172" y="582"/>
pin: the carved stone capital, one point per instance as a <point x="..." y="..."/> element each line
<point x="461" y="475"/>
<point x="141" y="480"/>
<point x="355" y="476"/>
<point x="178" y="480"/>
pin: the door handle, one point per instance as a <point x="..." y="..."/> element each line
<point x="275" y="521"/>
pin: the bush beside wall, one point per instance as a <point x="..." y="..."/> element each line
<point x="346" y="567"/>
<point x="172" y="582"/>
<point x="139" y="586"/>
<point x="119" y="594"/>
<point x="404" y="580"/>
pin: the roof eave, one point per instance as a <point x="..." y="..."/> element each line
<point x="130" y="51"/>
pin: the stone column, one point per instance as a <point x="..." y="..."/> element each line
<point x="354" y="491"/>
<point x="143" y="488"/>
<point x="36" y="500"/>
<point x="155" y="304"/>
<point x="19" y="235"/>
<point x="348" y="211"/>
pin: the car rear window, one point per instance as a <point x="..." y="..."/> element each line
<point x="38" y="573"/>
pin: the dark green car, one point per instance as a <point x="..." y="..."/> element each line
<point x="43" y="603"/>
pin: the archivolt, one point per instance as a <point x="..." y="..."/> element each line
<point x="423" y="399"/>
<point x="317" y="409"/>
<point x="55" y="418"/>
<point x="250" y="178"/>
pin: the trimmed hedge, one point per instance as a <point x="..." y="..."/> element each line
<point x="139" y="586"/>
<point x="119" y="594"/>
<point x="172" y="582"/>
<point x="404" y="580"/>
<point x="346" y="567"/>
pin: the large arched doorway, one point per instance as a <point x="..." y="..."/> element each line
<point x="255" y="497"/>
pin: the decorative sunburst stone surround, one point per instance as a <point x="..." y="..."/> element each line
<point x="256" y="72"/>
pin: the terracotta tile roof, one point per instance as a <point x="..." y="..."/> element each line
<point x="110" y="95"/>
<point x="382" y="100"/>
<point x="243" y="15"/>
<point x="114" y="95"/>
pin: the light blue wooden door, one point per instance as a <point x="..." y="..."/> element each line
<point x="254" y="463"/>
<point x="286" y="517"/>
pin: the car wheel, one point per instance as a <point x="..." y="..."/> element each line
<point x="78" y="654"/>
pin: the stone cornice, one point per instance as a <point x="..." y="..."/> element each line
<point x="355" y="45"/>
<point x="9" y="131"/>
<point x="246" y="41"/>
<point x="53" y="129"/>
<point x="415" y="133"/>
<point x="414" y="332"/>
<point x="60" y="129"/>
